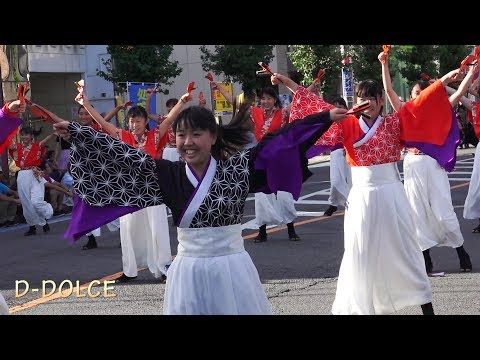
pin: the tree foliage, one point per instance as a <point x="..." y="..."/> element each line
<point x="416" y="59"/>
<point x="309" y="59"/>
<point x="238" y="63"/>
<point x="450" y="57"/>
<point x="409" y="60"/>
<point x="140" y="63"/>
<point x="365" y="64"/>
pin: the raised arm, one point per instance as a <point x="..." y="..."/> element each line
<point x="110" y="128"/>
<point x="223" y="91"/>
<point x="313" y="87"/>
<point x="115" y="111"/>
<point x="464" y="85"/>
<point x="172" y="115"/>
<point x="464" y="100"/>
<point x="387" y="83"/>
<point x="48" y="137"/>
<point x="154" y="117"/>
<point x="277" y="78"/>
<point x="15" y="107"/>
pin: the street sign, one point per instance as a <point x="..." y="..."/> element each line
<point x="347" y="82"/>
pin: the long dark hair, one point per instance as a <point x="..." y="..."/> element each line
<point x="421" y="83"/>
<point x="271" y="92"/>
<point x="230" y="138"/>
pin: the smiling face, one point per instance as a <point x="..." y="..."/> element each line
<point x="376" y="105"/>
<point x="194" y="146"/>
<point x="137" y="125"/>
<point x="27" y="138"/>
<point x="137" y="120"/>
<point x="84" y="118"/>
<point x="267" y="102"/>
<point x="373" y="91"/>
<point x="195" y="134"/>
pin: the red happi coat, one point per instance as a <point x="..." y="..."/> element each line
<point x="263" y="124"/>
<point x="425" y="119"/>
<point x="25" y="160"/>
<point x="473" y="118"/>
<point x="154" y="144"/>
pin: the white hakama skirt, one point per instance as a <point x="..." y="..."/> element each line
<point x="428" y="191"/>
<point x="382" y="269"/>
<point x="274" y="209"/>
<point x="340" y="178"/>
<point x="471" y="209"/>
<point x="145" y="241"/>
<point x="212" y="274"/>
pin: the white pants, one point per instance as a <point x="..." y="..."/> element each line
<point x="112" y="226"/>
<point x="145" y="240"/>
<point x="471" y="209"/>
<point x="340" y="178"/>
<point x="271" y="209"/>
<point x="32" y="193"/>
<point x="428" y="192"/>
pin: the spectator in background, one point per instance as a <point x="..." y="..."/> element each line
<point x="8" y="204"/>
<point x="28" y="156"/>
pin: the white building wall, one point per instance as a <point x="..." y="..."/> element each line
<point x="188" y="57"/>
<point x="78" y="59"/>
<point x="99" y="90"/>
<point x="56" y="58"/>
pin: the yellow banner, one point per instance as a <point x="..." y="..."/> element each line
<point x="121" y="114"/>
<point x="221" y="105"/>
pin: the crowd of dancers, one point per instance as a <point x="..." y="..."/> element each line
<point x="203" y="172"/>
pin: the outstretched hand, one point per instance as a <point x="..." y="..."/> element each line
<point x="17" y="106"/>
<point x="383" y="57"/>
<point x="338" y="114"/>
<point x="278" y="78"/>
<point x="186" y="97"/>
<point x="450" y="76"/>
<point x="61" y="129"/>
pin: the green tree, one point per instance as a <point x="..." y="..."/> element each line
<point x="140" y="63"/>
<point x="433" y="60"/>
<point x="309" y="59"/>
<point x="417" y="59"/>
<point x="365" y="64"/>
<point x="238" y="63"/>
<point x="450" y="56"/>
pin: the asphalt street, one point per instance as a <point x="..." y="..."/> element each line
<point x="299" y="277"/>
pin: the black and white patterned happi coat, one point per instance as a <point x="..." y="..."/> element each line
<point x="108" y="171"/>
